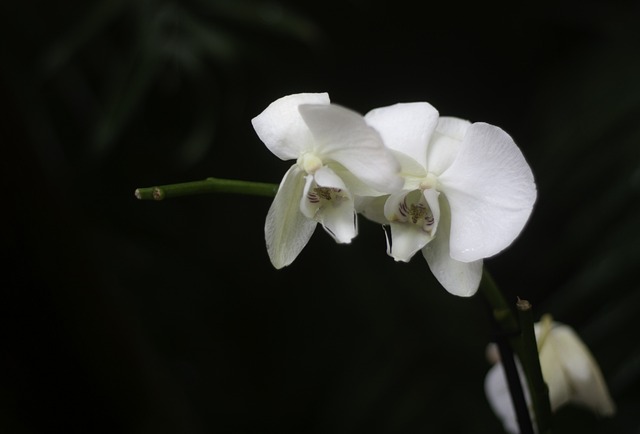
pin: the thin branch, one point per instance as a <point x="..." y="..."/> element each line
<point x="209" y="185"/>
<point x="527" y="349"/>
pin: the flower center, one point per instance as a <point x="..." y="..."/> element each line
<point x="414" y="209"/>
<point x="310" y="163"/>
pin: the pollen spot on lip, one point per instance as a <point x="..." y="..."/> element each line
<point x="323" y="195"/>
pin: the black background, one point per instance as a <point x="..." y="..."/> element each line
<point x="127" y="316"/>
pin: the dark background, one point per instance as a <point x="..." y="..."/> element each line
<point x="124" y="316"/>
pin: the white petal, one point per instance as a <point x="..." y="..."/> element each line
<point x="406" y="241"/>
<point x="356" y="186"/>
<point x="445" y="143"/>
<point x="343" y="136"/>
<point x="287" y="230"/>
<point x="454" y="128"/>
<point x="340" y="222"/>
<point x="325" y="177"/>
<point x="497" y="392"/>
<point x="281" y="127"/>
<point x="412" y="171"/>
<point x="406" y="127"/>
<point x="458" y="278"/>
<point x="583" y="374"/>
<point x="554" y="375"/>
<point x="491" y="192"/>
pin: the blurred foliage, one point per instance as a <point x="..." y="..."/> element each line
<point x="135" y="317"/>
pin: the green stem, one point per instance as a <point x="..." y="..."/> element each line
<point x="527" y="350"/>
<point x="502" y="310"/>
<point x="209" y="185"/>
<point x="523" y="342"/>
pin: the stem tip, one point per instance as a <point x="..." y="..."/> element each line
<point x="523" y="305"/>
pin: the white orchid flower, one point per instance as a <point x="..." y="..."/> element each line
<point x="337" y="155"/>
<point x="569" y="369"/>
<point x="467" y="195"/>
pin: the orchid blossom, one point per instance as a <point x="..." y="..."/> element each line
<point x="568" y="368"/>
<point x="467" y="193"/>
<point x="337" y="156"/>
